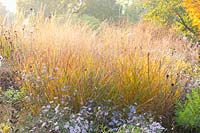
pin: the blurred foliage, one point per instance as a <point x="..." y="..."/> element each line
<point x="172" y="13"/>
<point x="5" y="128"/>
<point x="135" y="12"/>
<point x="102" y="9"/>
<point x="131" y="10"/>
<point x="193" y="9"/>
<point x="188" y="114"/>
<point x="109" y="10"/>
<point x="12" y="95"/>
<point x="93" y="22"/>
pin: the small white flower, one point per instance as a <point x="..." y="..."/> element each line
<point x="56" y="123"/>
<point x="137" y="124"/>
<point x="71" y="129"/>
<point x="55" y="98"/>
<point x="43" y="124"/>
<point x="56" y="128"/>
<point x="51" y="102"/>
<point x="66" y="126"/>
<point x="48" y="106"/>
<point x="77" y="129"/>
<point x="56" y="109"/>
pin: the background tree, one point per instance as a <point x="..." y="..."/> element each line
<point x="193" y="9"/>
<point x="171" y="13"/>
<point x="131" y="10"/>
<point x="102" y="9"/>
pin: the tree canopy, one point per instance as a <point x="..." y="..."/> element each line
<point x="173" y="13"/>
<point x="193" y="9"/>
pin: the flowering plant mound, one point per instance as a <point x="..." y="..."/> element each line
<point x="91" y="118"/>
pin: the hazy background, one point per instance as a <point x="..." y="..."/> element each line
<point x="170" y="13"/>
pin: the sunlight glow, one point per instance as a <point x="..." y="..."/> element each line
<point x="10" y="5"/>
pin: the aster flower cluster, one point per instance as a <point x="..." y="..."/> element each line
<point x="92" y="118"/>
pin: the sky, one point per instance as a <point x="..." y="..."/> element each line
<point x="10" y="5"/>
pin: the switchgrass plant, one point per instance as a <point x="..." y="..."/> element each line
<point x="69" y="63"/>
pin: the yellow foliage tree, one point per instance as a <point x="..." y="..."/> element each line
<point x="193" y="9"/>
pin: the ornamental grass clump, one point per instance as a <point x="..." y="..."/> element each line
<point x="70" y="63"/>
